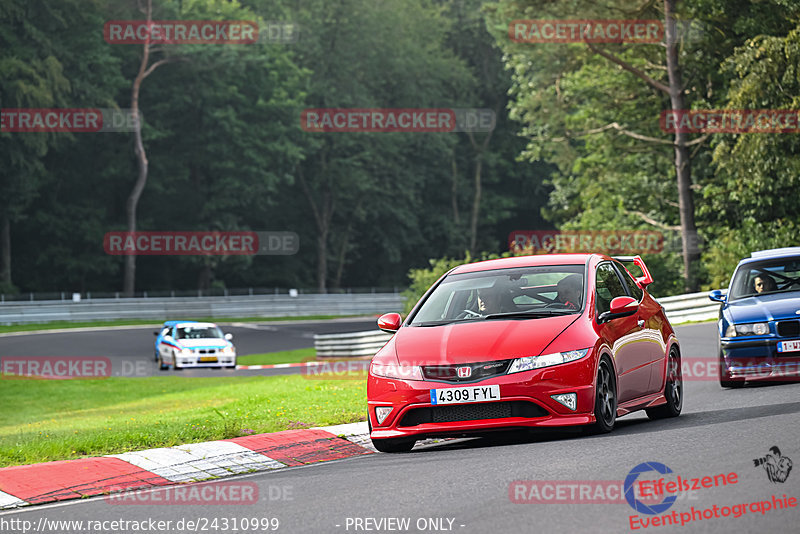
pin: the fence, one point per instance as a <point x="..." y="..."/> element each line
<point x="679" y="309"/>
<point x="160" y="309"/>
<point x="690" y="307"/>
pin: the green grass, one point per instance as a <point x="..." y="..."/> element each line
<point x="286" y="356"/>
<point x="45" y="420"/>
<point x="53" y="325"/>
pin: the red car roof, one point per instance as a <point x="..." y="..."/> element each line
<point x="525" y="261"/>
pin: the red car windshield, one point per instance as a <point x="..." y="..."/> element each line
<point x="535" y="291"/>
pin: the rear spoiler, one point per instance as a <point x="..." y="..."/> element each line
<point x="643" y="280"/>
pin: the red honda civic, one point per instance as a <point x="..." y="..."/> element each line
<point x="530" y="341"/>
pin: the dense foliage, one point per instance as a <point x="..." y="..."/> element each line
<point x="226" y="150"/>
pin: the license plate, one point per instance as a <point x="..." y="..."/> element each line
<point x="465" y="394"/>
<point x="789" y="346"/>
<point x="208" y="358"/>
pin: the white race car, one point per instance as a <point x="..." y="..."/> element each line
<point x="193" y="344"/>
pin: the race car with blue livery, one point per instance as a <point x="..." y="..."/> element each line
<point x="759" y="321"/>
<point x="182" y="344"/>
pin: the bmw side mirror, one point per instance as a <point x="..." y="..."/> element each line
<point x="228" y="336"/>
<point x="390" y="322"/>
<point x="716" y="296"/>
<point x="620" y="307"/>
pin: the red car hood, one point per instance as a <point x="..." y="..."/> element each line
<point x="477" y="340"/>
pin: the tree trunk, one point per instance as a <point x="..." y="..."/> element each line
<point x="129" y="278"/>
<point x="323" y="213"/>
<point x="5" y="252"/>
<point x="476" y="201"/>
<point x="322" y="260"/>
<point x="682" y="164"/>
<point x="454" y="192"/>
<point x="476" y="205"/>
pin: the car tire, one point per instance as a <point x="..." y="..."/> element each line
<point x="673" y="390"/>
<point x="390" y="445"/>
<point x="157" y="356"/>
<point x="605" y="398"/>
<point x="726" y="382"/>
<point x="161" y="365"/>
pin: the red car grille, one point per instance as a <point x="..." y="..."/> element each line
<point x="478" y="371"/>
<point x="471" y="412"/>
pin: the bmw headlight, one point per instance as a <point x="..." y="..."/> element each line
<point x="228" y="351"/>
<point x="186" y="353"/>
<point x="529" y="363"/>
<point x="747" y="329"/>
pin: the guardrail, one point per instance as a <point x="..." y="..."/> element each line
<point x="160" y="309"/>
<point x="351" y="344"/>
<point x="690" y="307"/>
<point x="679" y="309"/>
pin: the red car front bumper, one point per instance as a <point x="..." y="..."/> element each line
<point x="528" y="393"/>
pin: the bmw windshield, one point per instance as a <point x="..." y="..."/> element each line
<point x="766" y="277"/>
<point x="529" y="292"/>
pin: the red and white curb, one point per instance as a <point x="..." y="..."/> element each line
<point x="195" y="462"/>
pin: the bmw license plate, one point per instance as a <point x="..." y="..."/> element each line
<point x="789" y="346"/>
<point x="465" y="394"/>
<point x="208" y="358"/>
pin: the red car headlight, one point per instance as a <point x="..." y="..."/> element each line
<point x="392" y="370"/>
<point x="529" y="363"/>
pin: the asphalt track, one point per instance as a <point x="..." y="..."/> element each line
<point x="131" y="349"/>
<point x="471" y="481"/>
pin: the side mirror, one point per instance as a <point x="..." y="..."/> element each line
<point x="390" y="322"/>
<point x="228" y="336"/>
<point x="155" y="333"/>
<point x="716" y="296"/>
<point x="620" y="307"/>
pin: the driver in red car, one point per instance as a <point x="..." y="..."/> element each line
<point x="489" y="300"/>
<point x="569" y="291"/>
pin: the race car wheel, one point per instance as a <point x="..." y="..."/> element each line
<point x="161" y="365"/>
<point x="673" y="390"/>
<point x="605" y="398"/>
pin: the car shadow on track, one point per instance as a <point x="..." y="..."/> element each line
<point x="623" y="427"/>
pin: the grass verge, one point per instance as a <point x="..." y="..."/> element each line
<point x="286" y="356"/>
<point x="46" y="420"/>
<point x="55" y="325"/>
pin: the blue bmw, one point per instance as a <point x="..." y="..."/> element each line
<point x="759" y="322"/>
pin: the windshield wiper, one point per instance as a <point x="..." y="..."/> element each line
<point x="530" y="314"/>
